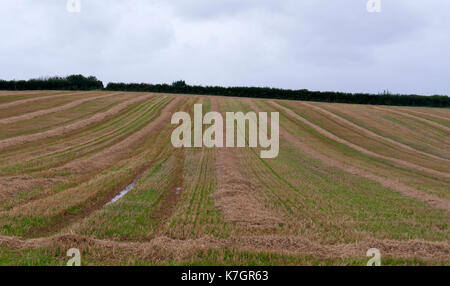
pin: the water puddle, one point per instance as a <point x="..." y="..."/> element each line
<point x="122" y="193"/>
<point x="129" y="188"/>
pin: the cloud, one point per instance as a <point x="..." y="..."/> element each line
<point x="314" y="44"/>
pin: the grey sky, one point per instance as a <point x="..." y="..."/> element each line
<point x="313" y="44"/>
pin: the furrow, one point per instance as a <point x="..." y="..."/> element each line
<point x="29" y="100"/>
<point x="34" y="114"/>
<point x="71" y="127"/>
<point x="406" y="191"/>
<point x="359" y="148"/>
<point x="429" y="122"/>
<point x="371" y="133"/>
<point x="81" y="138"/>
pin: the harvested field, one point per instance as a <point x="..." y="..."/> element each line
<point x="347" y="178"/>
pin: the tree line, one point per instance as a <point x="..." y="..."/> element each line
<point x="385" y="98"/>
<point x="72" y="82"/>
<point x="79" y="82"/>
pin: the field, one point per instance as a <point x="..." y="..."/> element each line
<point x="347" y="178"/>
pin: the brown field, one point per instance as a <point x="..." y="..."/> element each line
<point x="347" y="178"/>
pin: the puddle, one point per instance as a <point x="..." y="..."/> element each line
<point x="122" y="193"/>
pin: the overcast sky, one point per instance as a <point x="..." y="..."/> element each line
<point x="314" y="44"/>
